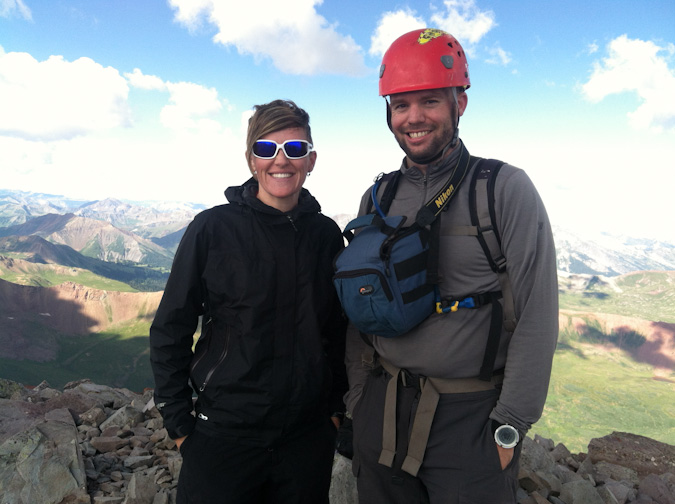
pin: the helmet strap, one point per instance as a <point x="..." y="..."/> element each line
<point x="388" y="114"/>
<point x="455" y="135"/>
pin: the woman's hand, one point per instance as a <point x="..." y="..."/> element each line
<point x="179" y="441"/>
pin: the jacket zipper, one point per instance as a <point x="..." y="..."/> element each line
<point x="218" y="362"/>
<point x="205" y="328"/>
<point x="290" y="219"/>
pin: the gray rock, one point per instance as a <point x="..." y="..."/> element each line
<point x="343" y="483"/>
<point x="105" y="444"/>
<point x="621" y="492"/>
<point x="127" y="417"/>
<point x="643" y="455"/>
<point x="43" y="464"/>
<point x="95" y="444"/>
<point x="606" y="470"/>
<point x="535" y="457"/>
<point x="580" y="492"/>
<point x="142" y="489"/>
<point x="657" y="488"/>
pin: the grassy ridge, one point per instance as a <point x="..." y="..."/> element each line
<point x="596" y="387"/>
<point x="48" y="277"/>
<point x="649" y="295"/>
<point x="118" y="357"/>
<point x="595" y="391"/>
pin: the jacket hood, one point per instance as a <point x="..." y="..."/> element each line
<point x="246" y="195"/>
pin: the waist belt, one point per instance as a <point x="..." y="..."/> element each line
<point x="430" y="388"/>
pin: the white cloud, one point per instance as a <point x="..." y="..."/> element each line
<point x="391" y="26"/>
<point x="634" y="65"/>
<point x="461" y="18"/>
<point x="148" y="82"/>
<point x="498" y="56"/>
<point x="189" y="106"/>
<point x="291" y="33"/>
<point x="128" y="166"/>
<point x="58" y="99"/>
<point x="465" y="21"/>
<point x="10" y="7"/>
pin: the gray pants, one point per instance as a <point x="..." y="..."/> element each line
<point x="461" y="464"/>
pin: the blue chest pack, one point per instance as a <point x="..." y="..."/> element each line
<point x="387" y="277"/>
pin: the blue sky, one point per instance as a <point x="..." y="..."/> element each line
<point x="148" y="100"/>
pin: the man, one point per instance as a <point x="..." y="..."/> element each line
<point x="465" y="447"/>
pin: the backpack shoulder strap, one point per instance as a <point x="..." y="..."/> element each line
<point x="391" y="184"/>
<point x="482" y="207"/>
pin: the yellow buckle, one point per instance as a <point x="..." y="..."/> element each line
<point x="453" y="308"/>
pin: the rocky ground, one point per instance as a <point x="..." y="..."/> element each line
<point x="95" y="444"/>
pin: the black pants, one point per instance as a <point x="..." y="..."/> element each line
<point x="461" y="463"/>
<point x="217" y="471"/>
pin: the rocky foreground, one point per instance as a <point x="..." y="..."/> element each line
<point x="94" y="444"/>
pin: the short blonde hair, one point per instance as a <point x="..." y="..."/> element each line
<point x="274" y="116"/>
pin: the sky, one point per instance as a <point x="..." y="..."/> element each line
<point x="149" y="100"/>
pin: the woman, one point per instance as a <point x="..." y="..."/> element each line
<point x="268" y="368"/>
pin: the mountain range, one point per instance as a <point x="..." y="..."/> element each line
<point x="147" y="233"/>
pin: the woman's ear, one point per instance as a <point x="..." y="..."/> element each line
<point x="312" y="161"/>
<point x="250" y="161"/>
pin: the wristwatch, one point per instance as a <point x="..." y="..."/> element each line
<point x="507" y="436"/>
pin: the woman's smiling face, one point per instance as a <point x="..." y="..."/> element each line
<point x="280" y="179"/>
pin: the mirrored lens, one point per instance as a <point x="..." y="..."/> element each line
<point x="296" y="149"/>
<point x="264" y="149"/>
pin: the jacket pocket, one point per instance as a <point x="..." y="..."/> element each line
<point x="210" y="353"/>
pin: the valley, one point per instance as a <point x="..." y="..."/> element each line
<point x="78" y="294"/>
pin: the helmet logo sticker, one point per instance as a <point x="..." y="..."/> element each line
<point x="429" y="34"/>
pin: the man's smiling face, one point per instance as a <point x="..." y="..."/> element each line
<point x="423" y="122"/>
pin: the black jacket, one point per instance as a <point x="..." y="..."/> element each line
<point x="270" y="359"/>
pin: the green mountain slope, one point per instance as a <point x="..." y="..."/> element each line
<point x="40" y="251"/>
<point x="614" y="369"/>
<point x="595" y="391"/>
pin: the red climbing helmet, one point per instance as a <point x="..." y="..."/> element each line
<point x="423" y="59"/>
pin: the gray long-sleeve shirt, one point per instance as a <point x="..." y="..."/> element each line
<point x="452" y="345"/>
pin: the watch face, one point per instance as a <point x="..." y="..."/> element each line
<point x="506" y="436"/>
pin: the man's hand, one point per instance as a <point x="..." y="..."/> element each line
<point x="505" y="456"/>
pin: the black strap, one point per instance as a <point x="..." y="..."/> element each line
<point x="389" y="190"/>
<point x="428" y="213"/>
<point x="488" y="234"/>
<point x="492" y="344"/>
